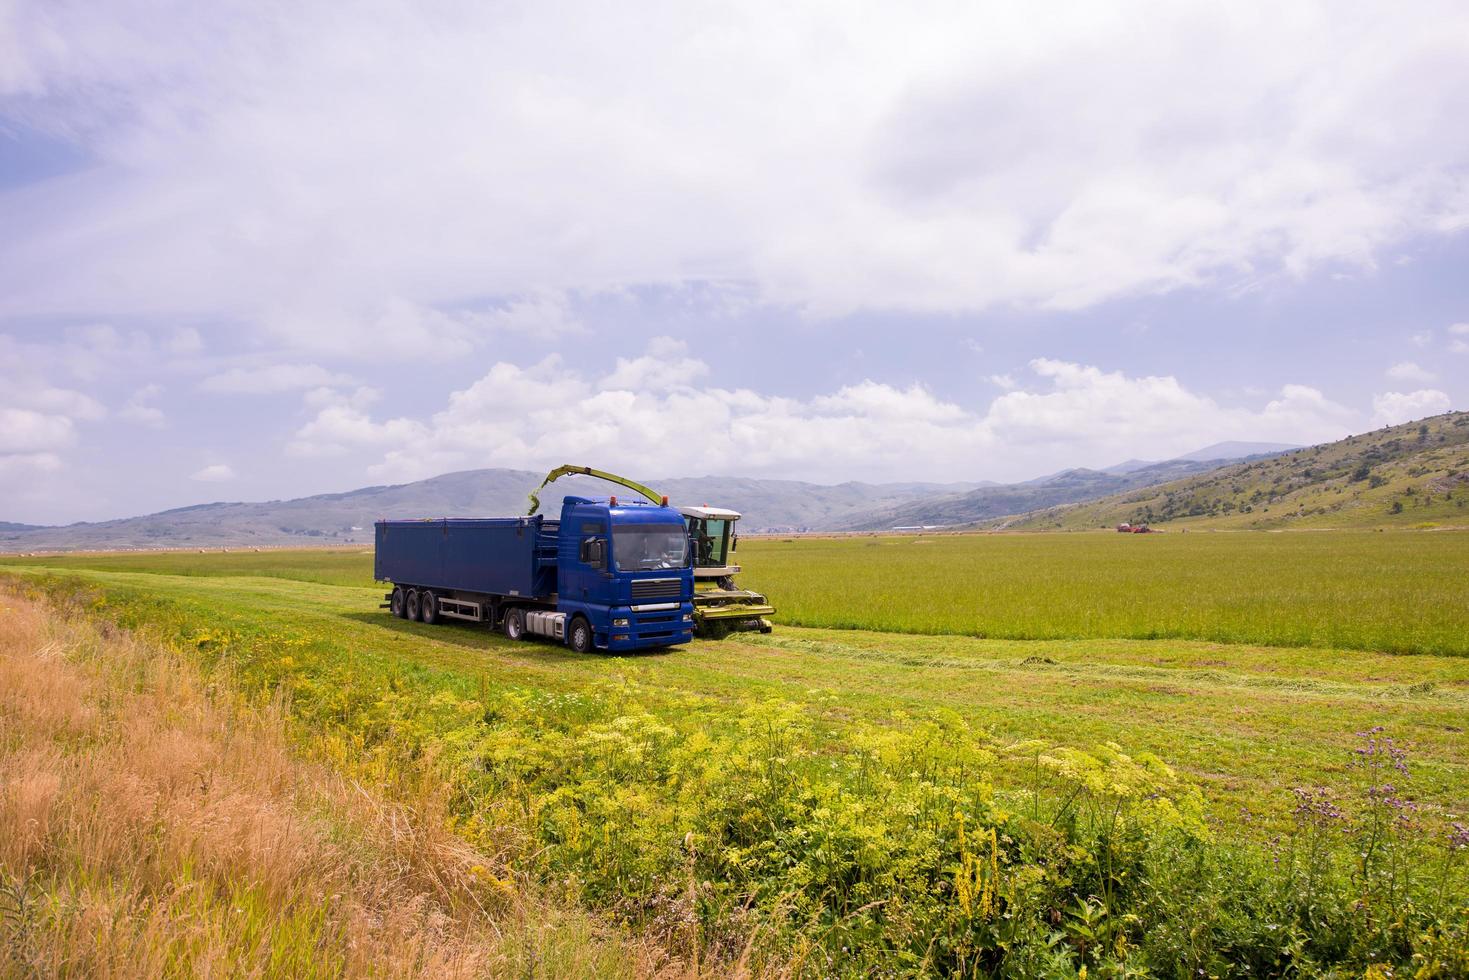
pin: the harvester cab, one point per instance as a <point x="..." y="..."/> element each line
<point x="711" y="529"/>
<point x="720" y="607"/>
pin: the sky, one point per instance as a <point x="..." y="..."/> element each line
<point x="257" y="250"/>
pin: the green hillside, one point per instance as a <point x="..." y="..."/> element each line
<point x="1403" y="476"/>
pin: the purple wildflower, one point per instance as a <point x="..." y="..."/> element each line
<point x="1316" y="806"/>
<point x="1380" y="751"/>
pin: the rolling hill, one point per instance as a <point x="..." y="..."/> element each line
<point x="347" y="518"/>
<point x="1068" y="486"/>
<point x="768" y="505"/>
<point x="1402" y="476"/>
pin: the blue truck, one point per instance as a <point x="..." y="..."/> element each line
<point x="606" y="576"/>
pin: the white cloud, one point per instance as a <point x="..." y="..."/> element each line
<point x="342" y="424"/>
<point x="272" y="379"/>
<point x="1395" y="408"/>
<point x="185" y="340"/>
<point x="664" y="366"/>
<point x="95" y="355"/>
<point x="938" y="158"/>
<point x="1409" y="371"/>
<point x="542" y="315"/>
<point x="23" y="385"/>
<point x="1095" y="416"/>
<point x="38" y="422"/>
<point x="1005" y="382"/>
<point x="877" y="401"/>
<point x="214" y="473"/>
<point x="26" y="431"/>
<point x="397" y="329"/>
<point x="60" y="400"/>
<point x="139" y="407"/>
<point x="1460" y="329"/>
<point x="1459" y="347"/>
<point x="1422" y="338"/>
<point x="359" y="398"/>
<point x="26" y="464"/>
<point x="545" y="414"/>
<point x="1299" y="414"/>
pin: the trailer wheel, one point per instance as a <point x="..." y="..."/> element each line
<point x="397" y="602"/>
<point x="428" y="608"/>
<point x="412" y="607"/>
<point x="579" y="637"/>
<point x="514" y="624"/>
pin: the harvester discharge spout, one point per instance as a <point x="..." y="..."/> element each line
<point x="560" y="471"/>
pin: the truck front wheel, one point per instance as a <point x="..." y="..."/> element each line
<point x="514" y="624"/>
<point x="580" y="636"/>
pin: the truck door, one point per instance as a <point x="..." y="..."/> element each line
<point x="581" y="582"/>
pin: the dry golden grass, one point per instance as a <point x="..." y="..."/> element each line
<point x="155" y="824"/>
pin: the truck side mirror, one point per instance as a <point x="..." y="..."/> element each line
<point x="734" y="543"/>
<point x="593" y="552"/>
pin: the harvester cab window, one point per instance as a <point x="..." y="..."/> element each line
<point x="711" y="541"/>
<point x="641" y="547"/>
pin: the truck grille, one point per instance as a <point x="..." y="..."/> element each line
<point x="657" y="588"/>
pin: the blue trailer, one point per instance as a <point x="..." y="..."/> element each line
<point x="607" y="575"/>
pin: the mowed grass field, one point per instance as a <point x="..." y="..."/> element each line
<point x="1397" y="592"/>
<point x="1248" y="659"/>
<point x="836" y="764"/>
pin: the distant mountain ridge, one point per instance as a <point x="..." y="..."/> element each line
<point x="1406" y="475"/>
<point x="347" y="517"/>
<point x="767" y="505"/>
<point x="986" y="503"/>
<point x="12" y="526"/>
<point x="1238" y="450"/>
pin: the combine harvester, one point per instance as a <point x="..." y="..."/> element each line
<point x="607" y="575"/>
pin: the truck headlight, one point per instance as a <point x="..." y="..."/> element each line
<point x="688" y="617"/>
<point x="619" y="622"/>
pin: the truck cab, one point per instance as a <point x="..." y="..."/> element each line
<point x="624" y="568"/>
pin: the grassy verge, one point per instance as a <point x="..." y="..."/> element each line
<point x="837" y="810"/>
<point x="153" y="823"/>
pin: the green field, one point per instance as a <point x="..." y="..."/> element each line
<point x="1400" y="592"/>
<point x="789" y="782"/>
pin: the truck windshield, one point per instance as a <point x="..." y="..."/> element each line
<point x="639" y="547"/>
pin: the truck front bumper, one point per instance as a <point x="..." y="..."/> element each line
<point x="636" y="629"/>
<point x="631" y="641"/>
